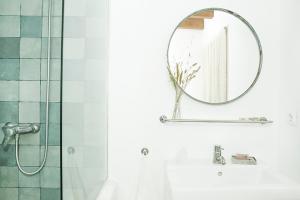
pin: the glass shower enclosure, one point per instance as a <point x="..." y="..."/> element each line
<point x="52" y="99"/>
<point x="84" y="103"/>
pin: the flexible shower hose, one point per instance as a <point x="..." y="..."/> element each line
<point x="47" y="104"/>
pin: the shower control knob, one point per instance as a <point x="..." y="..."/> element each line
<point x="145" y="151"/>
<point x="71" y="150"/>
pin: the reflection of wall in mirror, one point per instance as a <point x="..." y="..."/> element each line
<point x="243" y="57"/>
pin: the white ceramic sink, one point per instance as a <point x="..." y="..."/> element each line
<point x="199" y="181"/>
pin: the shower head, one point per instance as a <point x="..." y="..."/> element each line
<point x="11" y="129"/>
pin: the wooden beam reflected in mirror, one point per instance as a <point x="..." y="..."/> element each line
<point x="196" y="21"/>
<point x="191" y="23"/>
<point x="203" y="15"/>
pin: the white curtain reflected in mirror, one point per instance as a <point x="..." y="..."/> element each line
<point x="213" y="77"/>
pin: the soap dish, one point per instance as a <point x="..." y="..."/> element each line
<point x="247" y="160"/>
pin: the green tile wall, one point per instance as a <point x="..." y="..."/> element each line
<point x="29" y="181"/>
<point x="54" y="133"/>
<point x="9" y="91"/>
<point x="10" y="47"/>
<point x="23" y="67"/>
<point x="30" y="47"/>
<point x="9" y="177"/>
<point x="30" y="69"/>
<point x="29" y="193"/>
<point x="11" y="7"/>
<point x="10" y="26"/>
<point x="7" y="159"/>
<point x="9" y="193"/>
<point x="9" y="69"/>
<point x="31" y="26"/>
<point x="31" y="7"/>
<point x="9" y="111"/>
<point x="50" y="193"/>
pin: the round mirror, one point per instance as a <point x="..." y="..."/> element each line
<point x="214" y="56"/>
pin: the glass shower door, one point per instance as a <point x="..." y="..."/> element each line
<point x="84" y="98"/>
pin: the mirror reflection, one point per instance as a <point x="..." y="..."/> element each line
<point x="214" y="56"/>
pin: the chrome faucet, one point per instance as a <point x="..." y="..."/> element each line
<point x="218" y="158"/>
<point x="10" y="130"/>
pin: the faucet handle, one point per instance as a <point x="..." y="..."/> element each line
<point x="9" y="125"/>
<point x="218" y="158"/>
<point x="219" y="147"/>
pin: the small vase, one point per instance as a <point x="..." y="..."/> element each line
<point x="177" y="105"/>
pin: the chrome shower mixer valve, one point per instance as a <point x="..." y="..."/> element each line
<point x="10" y="130"/>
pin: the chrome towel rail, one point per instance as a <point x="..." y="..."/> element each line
<point x="252" y="120"/>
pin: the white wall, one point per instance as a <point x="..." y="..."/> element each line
<point x="289" y="133"/>
<point x="140" y="90"/>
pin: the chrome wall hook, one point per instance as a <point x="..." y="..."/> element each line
<point x="145" y="151"/>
